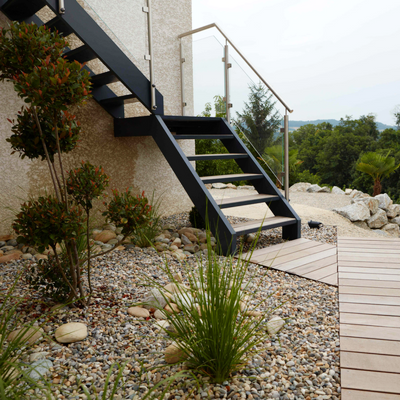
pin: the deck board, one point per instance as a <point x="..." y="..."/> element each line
<point x="369" y="312"/>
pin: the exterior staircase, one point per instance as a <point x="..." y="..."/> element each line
<point x="165" y="130"/>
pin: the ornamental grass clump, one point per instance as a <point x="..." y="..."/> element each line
<point x="218" y="329"/>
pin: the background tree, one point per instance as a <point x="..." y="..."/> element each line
<point x="377" y="166"/>
<point x="259" y="119"/>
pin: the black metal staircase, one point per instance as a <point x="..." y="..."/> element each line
<point x="165" y="130"/>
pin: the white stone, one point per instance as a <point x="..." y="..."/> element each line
<point x="41" y="355"/>
<point x="183" y="300"/>
<point x="370" y="202"/>
<point x="354" y="212"/>
<point x="300" y="187"/>
<point x="381" y="233"/>
<point x="71" y="332"/>
<point x="377" y="220"/>
<point x="246" y="187"/>
<point x="355" y="193"/>
<point x="30" y="335"/>
<point x="161" y="324"/>
<point x="314" y="188"/>
<point x="160" y="315"/>
<point x="174" y="354"/>
<point x="154" y="299"/>
<point x="392" y="211"/>
<point x="395" y="221"/>
<point x="138" y="312"/>
<point x="348" y="191"/>
<point x="337" y="190"/>
<point x="392" y="229"/>
<point x="274" y="325"/>
<point x="219" y="185"/>
<point x="324" y="189"/>
<point x="384" y="201"/>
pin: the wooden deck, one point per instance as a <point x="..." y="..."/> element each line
<point x="303" y="257"/>
<point x="369" y="306"/>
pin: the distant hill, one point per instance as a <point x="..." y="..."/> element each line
<point x="297" y="124"/>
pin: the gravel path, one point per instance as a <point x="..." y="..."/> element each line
<point x="301" y="362"/>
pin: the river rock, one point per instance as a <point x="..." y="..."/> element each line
<point x="9" y="257"/>
<point x="172" y="308"/>
<point x="377" y="220"/>
<point x="183" y="300"/>
<point x="185" y="239"/>
<point x="30" y="335"/>
<point x="313" y="188"/>
<point x="40" y="355"/>
<point x="71" y="332"/>
<point x="274" y="325"/>
<point x="39" y="369"/>
<point x="139" y="312"/>
<point x="354" y="212"/>
<point x="391" y="229"/>
<point x="173" y="354"/>
<point x="160" y="314"/>
<point x="384" y="201"/>
<point x="337" y="190"/>
<point x="105" y="236"/>
<point x="154" y="299"/>
<point x="300" y="187"/>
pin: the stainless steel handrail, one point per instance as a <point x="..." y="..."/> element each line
<point x="150" y="57"/>
<point x="214" y="25"/>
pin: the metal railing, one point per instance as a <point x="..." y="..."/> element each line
<point x="150" y="56"/>
<point x="227" y="100"/>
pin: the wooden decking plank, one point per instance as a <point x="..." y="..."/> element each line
<point x="368" y="380"/>
<point x="370" y="291"/>
<point x="372" y="276"/>
<point x="330" y="280"/>
<point x="366" y="264"/>
<point x="286" y="251"/>
<point x="373" y="346"/>
<point x="288" y="265"/>
<point x="369" y="332"/>
<point x="377" y="248"/>
<point x="313" y="265"/>
<point x="372" y="309"/>
<point x="277" y="247"/>
<point x="370" y="320"/>
<point x="386" y="257"/>
<point x="322" y="272"/>
<point x="370" y="362"/>
<point x="368" y="283"/>
<point x="366" y="299"/>
<point x="361" y="270"/>
<point x="349" y="394"/>
<point x="367" y="239"/>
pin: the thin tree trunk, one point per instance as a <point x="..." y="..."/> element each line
<point x="61" y="165"/>
<point x="46" y="152"/>
<point x="88" y="254"/>
<point x="58" y="181"/>
<point x="377" y="187"/>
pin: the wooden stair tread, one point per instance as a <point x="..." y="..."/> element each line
<point x="245" y="200"/>
<point x="267" y="223"/>
<point x="230" y="178"/>
<point x="203" y="136"/>
<point x="127" y="99"/>
<point x="223" y="156"/>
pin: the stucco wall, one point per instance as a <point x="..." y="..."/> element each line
<point x="130" y="162"/>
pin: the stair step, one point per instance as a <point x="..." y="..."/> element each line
<point x="225" y="156"/>
<point x="205" y="136"/>
<point x="245" y="200"/>
<point x="120" y="100"/>
<point x="267" y="223"/>
<point x="81" y="54"/>
<point x="103" y="79"/>
<point x="19" y="10"/>
<point x="58" y="24"/>
<point x="230" y="178"/>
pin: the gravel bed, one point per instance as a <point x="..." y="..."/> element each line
<point x="300" y="362"/>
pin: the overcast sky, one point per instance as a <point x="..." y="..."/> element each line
<point x="325" y="58"/>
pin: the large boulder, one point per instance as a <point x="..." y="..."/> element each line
<point x="370" y="202"/>
<point x="300" y="187"/>
<point x="355" y="193"/>
<point x="361" y="224"/>
<point x="393" y="210"/>
<point x="384" y="201"/>
<point x="392" y="229"/>
<point x="324" y="189"/>
<point x="348" y="191"/>
<point x="71" y="332"/>
<point x="337" y="190"/>
<point x="377" y="220"/>
<point x="314" y="188"/>
<point x="395" y="221"/>
<point x="354" y="212"/>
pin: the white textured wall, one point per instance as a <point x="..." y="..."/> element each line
<point x="130" y="162"/>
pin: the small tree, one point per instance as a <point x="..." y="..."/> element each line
<point x="377" y="166"/>
<point x="31" y="58"/>
<point x="259" y="120"/>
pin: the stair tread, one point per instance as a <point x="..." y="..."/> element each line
<point x="204" y="136"/>
<point x="104" y="78"/>
<point x="199" y="157"/>
<point x="129" y="98"/>
<point x="82" y="54"/>
<point x="253" y="226"/>
<point x="230" y="177"/>
<point x="245" y="200"/>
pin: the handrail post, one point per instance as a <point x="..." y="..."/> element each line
<point x="61" y="7"/>
<point x="227" y="65"/>
<point x="150" y="56"/>
<point x="182" y="63"/>
<point x="286" y="150"/>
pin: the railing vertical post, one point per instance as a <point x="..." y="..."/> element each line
<point x="227" y="65"/>
<point x="150" y="56"/>
<point x="61" y="7"/>
<point x="182" y="62"/>
<point x="286" y="128"/>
